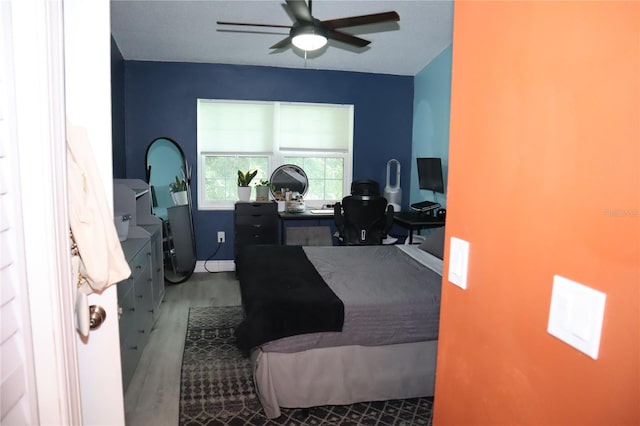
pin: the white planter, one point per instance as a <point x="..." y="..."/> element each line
<point x="180" y="198"/>
<point x="244" y="193"/>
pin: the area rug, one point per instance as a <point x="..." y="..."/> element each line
<point x="217" y="385"/>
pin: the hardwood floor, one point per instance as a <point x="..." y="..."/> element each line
<point x="153" y="395"/>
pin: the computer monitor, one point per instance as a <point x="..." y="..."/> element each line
<point x="430" y="174"/>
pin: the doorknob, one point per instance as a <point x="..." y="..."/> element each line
<point x="97" y="315"/>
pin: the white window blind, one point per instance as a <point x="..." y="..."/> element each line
<point x="315" y="127"/>
<point x="235" y="126"/>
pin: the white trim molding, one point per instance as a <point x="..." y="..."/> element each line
<point x="215" y="266"/>
<point x="38" y="62"/>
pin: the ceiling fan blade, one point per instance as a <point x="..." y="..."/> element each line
<point x="348" y="38"/>
<point x="300" y="10"/>
<point x="282" y="43"/>
<point x="252" y="25"/>
<point x="256" y="31"/>
<point x="355" y="21"/>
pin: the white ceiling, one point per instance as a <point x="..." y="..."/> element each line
<point x="186" y="31"/>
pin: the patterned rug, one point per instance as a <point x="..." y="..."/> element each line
<point x="217" y="385"/>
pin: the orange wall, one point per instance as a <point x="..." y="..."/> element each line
<point x="543" y="180"/>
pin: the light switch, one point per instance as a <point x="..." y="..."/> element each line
<point x="576" y="315"/>
<point x="458" y="262"/>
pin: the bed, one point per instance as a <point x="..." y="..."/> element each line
<point x="339" y="325"/>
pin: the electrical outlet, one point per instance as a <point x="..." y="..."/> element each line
<point x="221" y="236"/>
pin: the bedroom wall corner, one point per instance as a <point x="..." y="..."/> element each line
<point x="431" y="111"/>
<point x="544" y="179"/>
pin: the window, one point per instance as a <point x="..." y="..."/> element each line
<point x="325" y="174"/>
<point x="248" y="135"/>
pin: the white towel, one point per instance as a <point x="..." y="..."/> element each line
<point x="91" y="220"/>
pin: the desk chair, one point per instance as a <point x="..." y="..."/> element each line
<point x="364" y="217"/>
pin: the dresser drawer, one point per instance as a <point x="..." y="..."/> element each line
<point x="141" y="261"/>
<point x="130" y="348"/>
<point x="256" y="221"/>
<point x="248" y="235"/>
<point x="243" y="209"/>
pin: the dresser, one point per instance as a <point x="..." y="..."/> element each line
<point x="140" y="295"/>
<point x="256" y="223"/>
<point x="136" y="305"/>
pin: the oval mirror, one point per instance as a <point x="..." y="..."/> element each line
<point x="169" y="177"/>
<point x="289" y="176"/>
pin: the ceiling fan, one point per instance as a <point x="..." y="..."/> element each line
<point x="308" y="33"/>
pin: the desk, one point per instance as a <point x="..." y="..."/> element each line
<point x="416" y="220"/>
<point x="326" y="218"/>
<point x="306" y="215"/>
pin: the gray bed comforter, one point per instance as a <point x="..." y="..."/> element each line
<point x="388" y="297"/>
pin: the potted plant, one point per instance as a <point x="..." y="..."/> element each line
<point x="178" y="190"/>
<point x="262" y="190"/>
<point x="244" y="179"/>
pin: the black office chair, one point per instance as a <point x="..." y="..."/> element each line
<point x="366" y="187"/>
<point x="364" y="217"/>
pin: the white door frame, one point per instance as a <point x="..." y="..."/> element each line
<point x="87" y="59"/>
<point x="56" y="42"/>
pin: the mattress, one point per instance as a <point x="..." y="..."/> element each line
<point x="389" y="298"/>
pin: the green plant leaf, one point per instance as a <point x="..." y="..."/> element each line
<point x="251" y="176"/>
<point x="178" y="185"/>
<point x="244" y="179"/>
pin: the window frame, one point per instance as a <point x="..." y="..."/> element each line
<point x="275" y="158"/>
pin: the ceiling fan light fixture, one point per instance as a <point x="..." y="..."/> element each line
<point x="308" y="37"/>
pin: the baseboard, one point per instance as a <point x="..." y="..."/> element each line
<point x="215" y="266"/>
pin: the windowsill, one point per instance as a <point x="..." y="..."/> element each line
<point x="230" y="206"/>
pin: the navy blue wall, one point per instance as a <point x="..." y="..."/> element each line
<point x="160" y="100"/>
<point x="117" y="112"/>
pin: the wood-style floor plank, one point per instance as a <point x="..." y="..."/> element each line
<point x="153" y="395"/>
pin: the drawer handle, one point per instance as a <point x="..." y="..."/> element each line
<point x="257" y="225"/>
<point x="138" y="266"/>
<point x="134" y="348"/>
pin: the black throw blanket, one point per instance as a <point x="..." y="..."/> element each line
<point x="283" y="295"/>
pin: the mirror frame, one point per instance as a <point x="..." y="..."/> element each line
<point x="170" y="274"/>
<point x="288" y="168"/>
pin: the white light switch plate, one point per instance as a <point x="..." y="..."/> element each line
<point x="576" y="315"/>
<point x="458" y="262"/>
